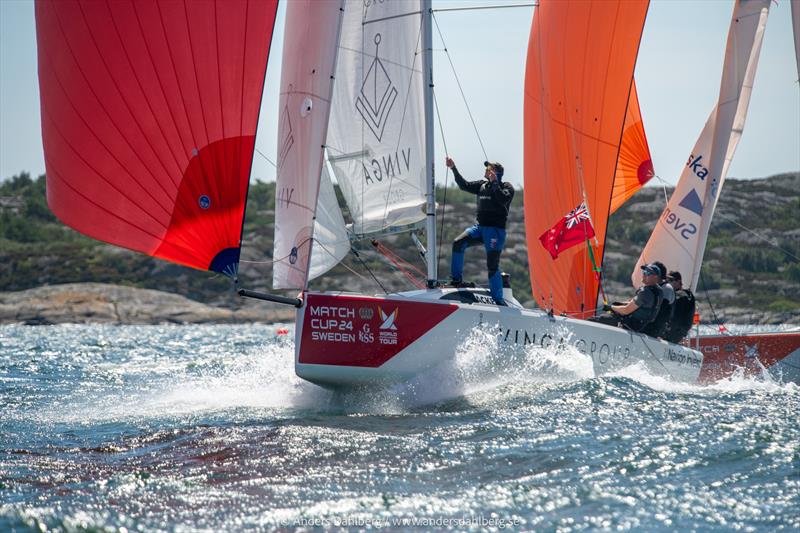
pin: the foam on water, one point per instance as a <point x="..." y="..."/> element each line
<point x="142" y="384"/>
<point x="207" y="427"/>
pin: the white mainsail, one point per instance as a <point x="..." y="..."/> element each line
<point x="680" y="235"/>
<point x="376" y="139"/>
<point x="309" y="56"/>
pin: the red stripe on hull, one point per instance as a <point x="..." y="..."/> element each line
<point x="725" y="354"/>
<point x="361" y="331"/>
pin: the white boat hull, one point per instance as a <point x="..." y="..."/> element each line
<point x="346" y="340"/>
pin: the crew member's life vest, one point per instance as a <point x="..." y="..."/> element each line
<point x="645" y="315"/>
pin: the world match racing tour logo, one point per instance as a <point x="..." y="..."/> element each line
<point x="376" y="104"/>
<point x="691" y="202"/>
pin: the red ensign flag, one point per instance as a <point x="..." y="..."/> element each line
<point x="574" y="228"/>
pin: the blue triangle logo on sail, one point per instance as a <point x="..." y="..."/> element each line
<point x="377" y="95"/>
<point x="693" y="203"/>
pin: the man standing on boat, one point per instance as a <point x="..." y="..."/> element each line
<point x="494" y="200"/>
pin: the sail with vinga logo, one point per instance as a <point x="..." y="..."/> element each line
<point x="368" y="116"/>
<point x="376" y="136"/>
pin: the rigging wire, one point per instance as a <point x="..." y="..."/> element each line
<point x="475" y="8"/>
<point x="729" y="219"/>
<point x="318" y="243"/>
<point x="401" y="264"/>
<point x="717" y="321"/>
<point x="267" y="158"/>
<point x="460" y="88"/>
<point x="364" y="264"/>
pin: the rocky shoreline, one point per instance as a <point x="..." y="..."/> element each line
<point x="100" y="303"/>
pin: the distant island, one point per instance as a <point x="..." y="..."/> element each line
<point x="51" y="274"/>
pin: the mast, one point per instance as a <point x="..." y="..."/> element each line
<point x="430" y="189"/>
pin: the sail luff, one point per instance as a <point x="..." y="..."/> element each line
<point x="258" y="118"/>
<point x="734" y="98"/>
<point x="796" y="30"/>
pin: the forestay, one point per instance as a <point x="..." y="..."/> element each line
<point x="679" y="237"/>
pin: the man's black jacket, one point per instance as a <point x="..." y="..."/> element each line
<point x="494" y="199"/>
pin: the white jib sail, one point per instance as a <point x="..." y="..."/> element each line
<point x="309" y="56"/>
<point x="331" y="241"/>
<point x="679" y="238"/>
<point x="376" y="135"/>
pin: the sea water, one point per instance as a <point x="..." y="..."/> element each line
<point x="180" y="428"/>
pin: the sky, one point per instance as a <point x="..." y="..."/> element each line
<point x="677" y="74"/>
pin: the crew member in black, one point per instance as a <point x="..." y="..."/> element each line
<point x="641" y="309"/>
<point x="683" y="315"/>
<point x="658" y="326"/>
<point x="494" y="200"/>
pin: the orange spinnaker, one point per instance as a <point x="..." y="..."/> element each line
<point x="581" y="57"/>
<point x="634" y="165"/>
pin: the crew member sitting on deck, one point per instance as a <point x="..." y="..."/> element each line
<point x="658" y="326"/>
<point x="641" y="309"/>
<point x="494" y="200"/>
<point x="683" y="314"/>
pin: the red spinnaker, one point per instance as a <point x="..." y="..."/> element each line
<point x="149" y="114"/>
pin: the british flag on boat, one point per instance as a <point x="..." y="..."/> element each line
<point x="347" y="339"/>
